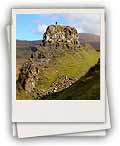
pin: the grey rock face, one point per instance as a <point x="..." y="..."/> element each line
<point x="59" y="35"/>
<point x="56" y="39"/>
<point x="28" y="75"/>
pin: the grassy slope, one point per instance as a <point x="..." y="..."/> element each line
<point x="70" y="64"/>
<point x="73" y="64"/>
<point x="86" y="88"/>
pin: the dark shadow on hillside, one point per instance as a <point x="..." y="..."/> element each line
<point x="86" y="88"/>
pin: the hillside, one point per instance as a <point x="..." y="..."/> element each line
<point x="59" y="62"/>
<point x="87" y="87"/>
<point x="74" y="66"/>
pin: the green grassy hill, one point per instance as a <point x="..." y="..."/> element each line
<point x="86" y="88"/>
<point x="73" y="64"/>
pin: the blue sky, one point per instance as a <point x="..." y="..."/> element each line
<point x="32" y="26"/>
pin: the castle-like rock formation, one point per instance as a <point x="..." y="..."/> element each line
<point x="59" y="36"/>
<point x="56" y="39"/>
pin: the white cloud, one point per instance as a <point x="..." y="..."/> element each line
<point x="41" y="28"/>
<point x="78" y="27"/>
<point x="84" y="23"/>
<point x="89" y="23"/>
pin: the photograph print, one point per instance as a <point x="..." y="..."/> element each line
<point x="58" y="56"/>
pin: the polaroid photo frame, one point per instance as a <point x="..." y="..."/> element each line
<point x="59" y="110"/>
<point x="90" y="133"/>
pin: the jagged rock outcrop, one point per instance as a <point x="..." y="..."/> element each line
<point x="61" y="36"/>
<point x="28" y="75"/>
<point x="61" y="83"/>
<point x="56" y="40"/>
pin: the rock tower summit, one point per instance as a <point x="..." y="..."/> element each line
<point x="60" y="35"/>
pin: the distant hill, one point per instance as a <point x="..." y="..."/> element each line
<point x="24" y="51"/>
<point x="25" y="43"/>
<point x="92" y="39"/>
